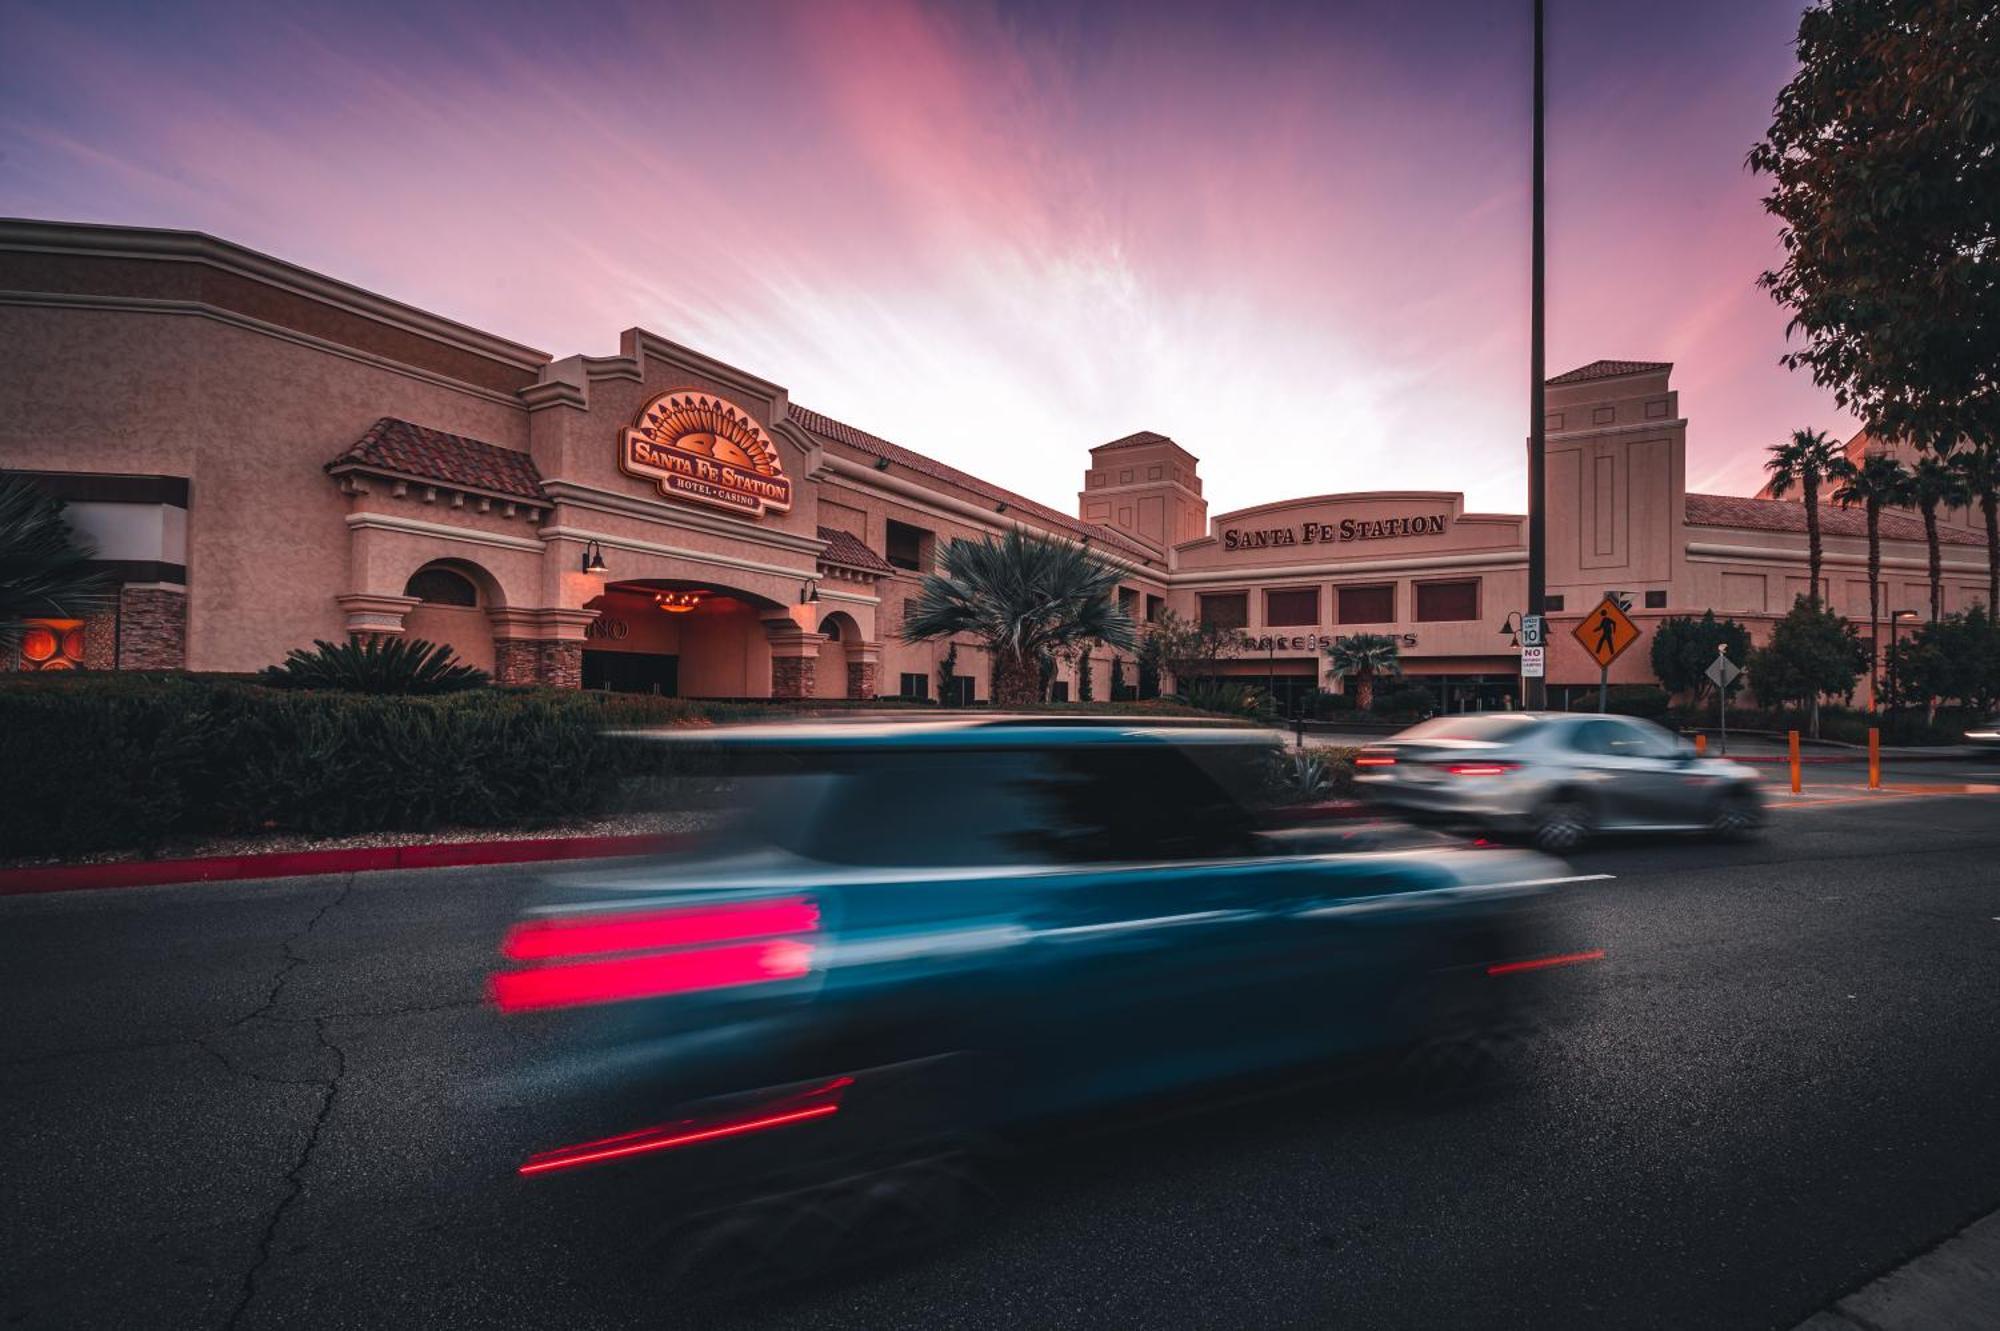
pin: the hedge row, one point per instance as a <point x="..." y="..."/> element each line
<point x="102" y="762"/>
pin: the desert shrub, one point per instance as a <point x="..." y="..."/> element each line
<point x="375" y="665"/>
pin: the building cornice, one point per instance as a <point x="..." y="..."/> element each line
<point x="1717" y="552"/>
<point x="1468" y="559"/>
<point x="1605" y="431"/>
<point x="442" y="531"/>
<point x="33" y="236"/>
<point x="636" y="546"/>
<point x="201" y="309"/>
<point x="592" y="499"/>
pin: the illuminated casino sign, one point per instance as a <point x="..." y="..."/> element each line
<point x="1327" y="533"/>
<point x="707" y="449"/>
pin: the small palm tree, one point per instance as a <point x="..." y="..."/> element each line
<point x="377" y="665"/>
<point x="1935" y="484"/>
<point x="1802" y="463"/>
<point x="1978" y="468"/>
<point x="1879" y="481"/>
<point x="1364" y="656"/>
<point x="45" y="573"/>
<point x="1028" y="598"/>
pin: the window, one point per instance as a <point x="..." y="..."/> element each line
<point x="1368" y="605"/>
<point x="441" y="586"/>
<point x="1097" y="804"/>
<point x="906" y="545"/>
<point x="1445" y="601"/>
<point x="960" y="693"/>
<point x="1656" y="600"/>
<point x="1128" y="601"/>
<point x="1552" y="604"/>
<point x="1059" y="691"/>
<point x="1231" y="610"/>
<point x="1154" y="605"/>
<point x="1292" y="605"/>
<point x="915" y="685"/>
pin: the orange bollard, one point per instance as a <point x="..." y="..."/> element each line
<point x="1700" y="745"/>
<point x="1792" y="743"/>
<point x="1874" y="757"/>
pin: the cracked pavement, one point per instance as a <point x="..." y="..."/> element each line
<point x="255" y="1105"/>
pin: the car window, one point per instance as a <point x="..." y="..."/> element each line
<point x="957" y="810"/>
<point x="1621" y="738"/>
<point x="1097" y="804"/>
<point x="1488" y="729"/>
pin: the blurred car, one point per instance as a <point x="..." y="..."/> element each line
<point x="921" y="935"/>
<point x="1986" y="734"/>
<point x="1556" y="779"/>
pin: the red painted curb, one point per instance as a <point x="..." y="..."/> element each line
<point x="299" y="863"/>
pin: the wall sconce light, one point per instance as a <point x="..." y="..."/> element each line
<point x="593" y="560"/>
<point x="881" y="464"/>
<point x="809" y="592"/>
<point x="1510" y="628"/>
<point x="1000" y="507"/>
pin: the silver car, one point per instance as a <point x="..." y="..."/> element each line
<point x="1556" y="778"/>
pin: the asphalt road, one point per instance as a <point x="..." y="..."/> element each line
<point x="247" y="1105"/>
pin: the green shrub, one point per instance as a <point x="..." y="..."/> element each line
<point x="105" y="762"/>
<point x="1226" y="696"/>
<point x="1404" y="700"/>
<point x="376" y="665"/>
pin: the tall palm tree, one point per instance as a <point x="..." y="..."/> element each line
<point x="1934" y="484"/>
<point x="1364" y="656"/>
<point x="45" y="572"/>
<point x="1802" y="463"/>
<point x="1978" y="468"/>
<point x="1028" y="598"/>
<point x="1879" y="481"/>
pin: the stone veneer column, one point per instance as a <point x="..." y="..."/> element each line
<point x="517" y="661"/>
<point x="794" y="658"/>
<point x="152" y="628"/>
<point x="100" y="640"/>
<point x="864" y="669"/>
<point x="562" y="664"/>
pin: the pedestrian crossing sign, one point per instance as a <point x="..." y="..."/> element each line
<point x="1606" y="632"/>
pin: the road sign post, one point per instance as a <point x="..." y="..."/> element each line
<point x="1722" y="672"/>
<point x="1605" y="633"/>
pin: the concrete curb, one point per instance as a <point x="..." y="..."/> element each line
<point x="1955" y="1285"/>
<point x="294" y="864"/>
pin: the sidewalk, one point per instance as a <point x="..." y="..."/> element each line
<point x="1955" y="1285"/>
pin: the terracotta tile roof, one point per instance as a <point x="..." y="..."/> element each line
<point x="1142" y="437"/>
<point x="1787" y="516"/>
<point x="418" y="451"/>
<point x="828" y="428"/>
<point x="849" y="551"/>
<point x="1610" y="369"/>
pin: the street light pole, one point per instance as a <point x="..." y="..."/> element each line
<point x="1538" y="521"/>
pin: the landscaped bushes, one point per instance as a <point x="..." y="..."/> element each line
<point x="100" y="762"/>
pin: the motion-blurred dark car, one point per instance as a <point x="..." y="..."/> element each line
<point x="1986" y="734"/>
<point x="922" y="935"/>
<point x="1556" y="779"/>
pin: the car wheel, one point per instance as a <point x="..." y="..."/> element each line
<point x="1562" y="824"/>
<point x="1735" y="816"/>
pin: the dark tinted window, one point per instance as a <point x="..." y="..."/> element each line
<point x="1656" y="600"/>
<point x="1368" y="605"/>
<point x="1147" y="802"/>
<point x="1623" y="739"/>
<point x="1485" y="729"/>
<point x="926" y="810"/>
<point x="1553" y="602"/>
<point x="905" y="545"/>
<point x="1231" y="611"/>
<point x="441" y="586"/>
<point x="1443" y="601"/>
<point x="1293" y="605"/>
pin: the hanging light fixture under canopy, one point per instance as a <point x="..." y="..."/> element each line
<point x="678" y="602"/>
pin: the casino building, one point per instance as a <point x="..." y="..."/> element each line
<point x="263" y="456"/>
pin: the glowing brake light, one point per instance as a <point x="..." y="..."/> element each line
<point x="1368" y="759"/>
<point x="1481" y="769"/>
<point x="652" y="954"/>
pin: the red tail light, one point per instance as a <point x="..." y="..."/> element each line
<point x="1481" y="769"/>
<point x="682" y="950"/>
<point x="1368" y="758"/>
<point x="819" y="1103"/>
<point x="1544" y="963"/>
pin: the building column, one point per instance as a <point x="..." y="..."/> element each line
<point x="375" y="614"/>
<point x="864" y="669"/>
<point x="152" y="628"/>
<point x="542" y="647"/>
<point x="794" y="657"/>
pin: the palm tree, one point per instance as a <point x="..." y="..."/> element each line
<point x="1028" y="598"/>
<point x="1878" y="482"/>
<point x="44" y="572"/>
<point x="1978" y="468"/>
<point x="1364" y="656"/>
<point x="1935" y="483"/>
<point x="1804" y="461"/>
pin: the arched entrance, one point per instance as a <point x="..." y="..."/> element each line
<point x="841" y="639"/>
<point x="679" y="639"/>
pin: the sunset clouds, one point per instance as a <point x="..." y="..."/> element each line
<point x="1293" y="237"/>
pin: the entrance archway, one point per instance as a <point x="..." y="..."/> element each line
<point x="679" y="639"/>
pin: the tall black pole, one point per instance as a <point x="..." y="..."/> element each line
<point x="1538" y="518"/>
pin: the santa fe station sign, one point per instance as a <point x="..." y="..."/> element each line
<point x="1329" y="533"/>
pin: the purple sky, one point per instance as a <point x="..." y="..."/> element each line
<point x="1294" y="237"/>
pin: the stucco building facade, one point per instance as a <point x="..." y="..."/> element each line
<point x="264" y="456"/>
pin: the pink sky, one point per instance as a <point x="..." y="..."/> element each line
<point x="1292" y="237"/>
